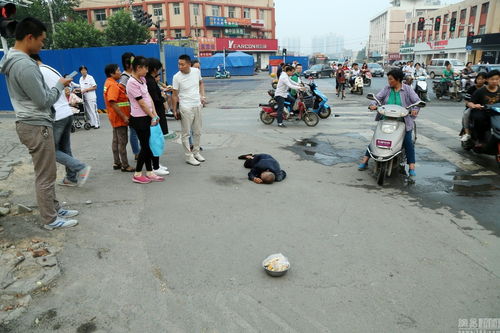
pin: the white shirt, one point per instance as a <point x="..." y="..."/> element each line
<point x="51" y="77"/>
<point x="355" y="72"/>
<point x="409" y="70"/>
<point x="188" y="86"/>
<point x="87" y="83"/>
<point x="283" y="84"/>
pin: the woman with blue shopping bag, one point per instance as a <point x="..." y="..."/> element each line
<point x="143" y="118"/>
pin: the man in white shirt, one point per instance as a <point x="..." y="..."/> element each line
<point x="88" y="88"/>
<point x="409" y="70"/>
<point x="189" y="91"/>
<point x="281" y="93"/>
<point x="76" y="171"/>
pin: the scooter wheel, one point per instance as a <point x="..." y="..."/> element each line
<point x="361" y="91"/>
<point x="325" y="113"/>
<point x="87" y="126"/>
<point x="381" y="173"/>
<point x="311" y="119"/>
<point x="73" y="129"/>
<point x="266" y="118"/>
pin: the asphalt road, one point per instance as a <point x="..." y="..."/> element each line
<point x="185" y="255"/>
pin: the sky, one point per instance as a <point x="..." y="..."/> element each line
<point x="350" y="18"/>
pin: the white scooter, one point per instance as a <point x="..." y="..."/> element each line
<point x="386" y="147"/>
<point x="421" y="88"/>
<point x="358" y="85"/>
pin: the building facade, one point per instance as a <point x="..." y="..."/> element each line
<point x="387" y="29"/>
<point x="472" y="18"/>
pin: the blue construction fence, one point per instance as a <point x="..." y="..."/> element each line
<point x="95" y="59"/>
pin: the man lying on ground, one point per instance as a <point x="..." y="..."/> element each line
<point x="264" y="168"/>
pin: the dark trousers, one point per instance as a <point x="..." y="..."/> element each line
<point x="281" y="104"/>
<point x="481" y="124"/>
<point x="142" y="128"/>
<point x="119" y="146"/>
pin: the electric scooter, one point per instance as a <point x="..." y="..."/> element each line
<point x="386" y="147"/>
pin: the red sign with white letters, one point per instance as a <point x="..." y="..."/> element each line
<point x="247" y="44"/>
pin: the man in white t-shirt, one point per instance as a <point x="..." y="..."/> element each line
<point x="76" y="171"/>
<point x="88" y="88"/>
<point x="189" y="91"/>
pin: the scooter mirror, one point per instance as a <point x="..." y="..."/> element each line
<point x="421" y="104"/>
<point x="371" y="96"/>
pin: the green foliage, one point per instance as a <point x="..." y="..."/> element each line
<point x="123" y="30"/>
<point x="77" y="33"/>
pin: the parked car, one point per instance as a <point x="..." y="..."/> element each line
<point x="376" y="69"/>
<point x="437" y="66"/>
<point x="398" y="64"/>
<point x="485" y="68"/>
<point x="318" y="71"/>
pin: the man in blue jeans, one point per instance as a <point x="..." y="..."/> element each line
<point x="62" y="130"/>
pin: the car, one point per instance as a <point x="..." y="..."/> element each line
<point x="437" y="66"/>
<point x="376" y="69"/>
<point x="318" y="71"/>
<point x="397" y="64"/>
<point x="485" y="68"/>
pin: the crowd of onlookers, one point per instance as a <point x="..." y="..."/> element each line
<point x="137" y="101"/>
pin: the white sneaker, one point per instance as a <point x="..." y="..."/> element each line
<point x="199" y="158"/>
<point x="65" y="213"/>
<point x="191" y="160"/>
<point x="161" y="172"/>
<point x="465" y="138"/>
<point x="164" y="167"/>
<point x="60" y="223"/>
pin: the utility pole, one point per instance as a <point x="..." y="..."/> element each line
<point x="51" y="17"/>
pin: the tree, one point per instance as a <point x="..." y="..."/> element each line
<point x="361" y="55"/>
<point x="77" y="33"/>
<point x="123" y="30"/>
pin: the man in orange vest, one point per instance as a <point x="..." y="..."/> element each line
<point x="118" y="108"/>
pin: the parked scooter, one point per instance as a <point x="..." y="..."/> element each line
<point x="386" y="147"/>
<point x="453" y="89"/>
<point x="421" y="87"/>
<point x="270" y="111"/>
<point x="222" y="74"/>
<point x="490" y="144"/>
<point x="319" y="105"/>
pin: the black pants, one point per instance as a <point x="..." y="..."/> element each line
<point x="281" y="104"/>
<point x="163" y="119"/>
<point x="481" y="124"/>
<point x="142" y="128"/>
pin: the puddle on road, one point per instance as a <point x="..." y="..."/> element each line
<point x="325" y="152"/>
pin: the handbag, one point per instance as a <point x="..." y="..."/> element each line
<point x="156" y="140"/>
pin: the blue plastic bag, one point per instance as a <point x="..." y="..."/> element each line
<point x="156" y="140"/>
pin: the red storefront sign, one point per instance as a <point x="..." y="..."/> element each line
<point x="206" y="44"/>
<point x="247" y="44"/>
<point x="394" y="56"/>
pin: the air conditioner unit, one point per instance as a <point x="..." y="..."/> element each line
<point x="103" y="23"/>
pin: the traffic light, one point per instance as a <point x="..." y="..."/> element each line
<point x="421" y="23"/>
<point x="7" y="23"/>
<point x="146" y="19"/>
<point x="453" y="24"/>
<point x="284" y="52"/>
<point x="437" y="23"/>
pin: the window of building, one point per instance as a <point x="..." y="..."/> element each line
<point x="216" y="34"/>
<point x="419" y="13"/>
<point x="246" y="13"/>
<point x="483" y="17"/>
<point x="178" y="33"/>
<point x="215" y="10"/>
<point x="83" y="14"/>
<point x="177" y="8"/>
<point x="196" y="9"/>
<point x="197" y="32"/>
<point x="157" y="9"/>
<point x="100" y="15"/>
<point x="231" y="12"/>
<point x="262" y="14"/>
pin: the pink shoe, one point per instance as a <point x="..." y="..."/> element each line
<point x="141" y="179"/>
<point x="155" y="178"/>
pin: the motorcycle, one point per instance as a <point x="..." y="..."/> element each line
<point x="421" y="87"/>
<point x="223" y="74"/>
<point x="449" y="89"/>
<point x="491" y="139"/>
<point x="468" y="80"/>
<point x="357" y="87"/>
<point x="386" y="147"/>
<point x="319" y="105"/>
<point x="367" y="78"/>
<point x="270" y="111"/>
